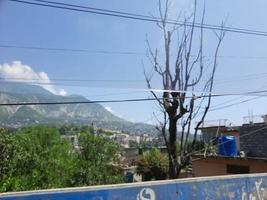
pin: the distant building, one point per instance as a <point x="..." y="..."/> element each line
<point x="122" y="139"/>
<point x="73" y="139"/>
<point x="130" y="155"/>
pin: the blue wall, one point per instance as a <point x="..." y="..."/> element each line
<point x="241" y="187"/>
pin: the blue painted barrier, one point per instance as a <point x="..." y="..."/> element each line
<point x="237" y="187"/>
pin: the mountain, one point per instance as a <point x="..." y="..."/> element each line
<point x="80" y="114"/>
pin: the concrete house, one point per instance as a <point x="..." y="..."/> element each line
<point x="251" y="142"/>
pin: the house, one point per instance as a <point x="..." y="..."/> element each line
<point x="251" y="143"/>
<point x="221" y="165"/>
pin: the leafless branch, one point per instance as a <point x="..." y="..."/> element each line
<point x="220" y="38"/>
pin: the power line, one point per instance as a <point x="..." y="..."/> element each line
<point x="75" y="102"/>
<point x="72" y="50"/>
<point x="220" y="106"/>
<point x="215" y="108"/>
<point x="101" y="101"/>
<point x="258" y="93"/>
<point x="234" y="104"/>
<point x="146" y="16"/>
<point x="228" y="101"/>
<point x="77" y="96"/>
<point x="29" y="80"/>
<point x="78" y="8"/>
<point x="112" y="52"/>
<point x="240" y="78"/>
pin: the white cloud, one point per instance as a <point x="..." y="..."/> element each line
<point x="109" y="109"/>
<point x="18" y="72"/>
<point x="62" y="92"/>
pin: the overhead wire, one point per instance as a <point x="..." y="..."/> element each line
<point x="86" y="9"/>
<point x="71" y="50"/>
<point x="55" y="80"/>
<point x="123" y="100"/>
<point x="221" y="105"/>
<point x="147" y="16"/>
<point x="219" y="80"/>
<point x="234" y="104"/>
<point x="31" y="80"/>
<point x="157" y="90"/>
<point x="109" y="52"/>
<point x="76" y="102"/>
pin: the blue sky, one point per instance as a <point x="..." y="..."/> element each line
<point x="242" y="66"/>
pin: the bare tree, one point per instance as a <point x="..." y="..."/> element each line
<point x="181" y="71"/>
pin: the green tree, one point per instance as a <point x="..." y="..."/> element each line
<point x="98" y="161"/>
<point x="152" y="165"/>
<point x="39" y="160"/>
<point x="6" y="156"/>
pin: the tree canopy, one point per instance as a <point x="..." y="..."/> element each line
<point x="38" y="158"/>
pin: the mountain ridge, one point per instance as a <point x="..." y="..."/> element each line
<point x="80" y="114"/>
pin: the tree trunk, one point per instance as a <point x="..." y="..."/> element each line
<point x="172" y="145"/>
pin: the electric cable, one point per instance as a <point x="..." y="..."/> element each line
<point x="78" y="8"/>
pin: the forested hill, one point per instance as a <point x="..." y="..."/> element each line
<point x="81" y="114"/>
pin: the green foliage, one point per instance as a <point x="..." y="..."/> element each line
<point x="210" y="149"/>
<point x="71" y="129"/>
<point x="38" y="158"/>
<point x="97" y="161"/>
<point x="6" y="155"/>
<point x="152" y="165"/>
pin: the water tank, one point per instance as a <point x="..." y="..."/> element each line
<point x="227" y="146"/>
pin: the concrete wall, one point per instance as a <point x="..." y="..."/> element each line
<point x="218" y="166"/>
<point x="245" y="187"/>
<point x="254" y="140"/>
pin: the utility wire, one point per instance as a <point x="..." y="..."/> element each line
<point x="79" y="8"/>
<point x="103" y="101"/>
<point x="234" y="104"/>
<point x="28" y="80"/>
<point x="146" y="16"/>
<point x="72" y="50"/>
<point x="216" y="108"/>
<point x="221" y="105"/>
<point x="76" y="102"/>
<point x="259" y="93"/>
<point x="112" y="52"/>
<point x="217" y="81"/>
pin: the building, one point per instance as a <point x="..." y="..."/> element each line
<point x="72" y="139"/>
<point x="251" y="142"/>
<point x="122" y="139"/>
<point x="220" y="165"/>
<point x="253" y="139"/>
